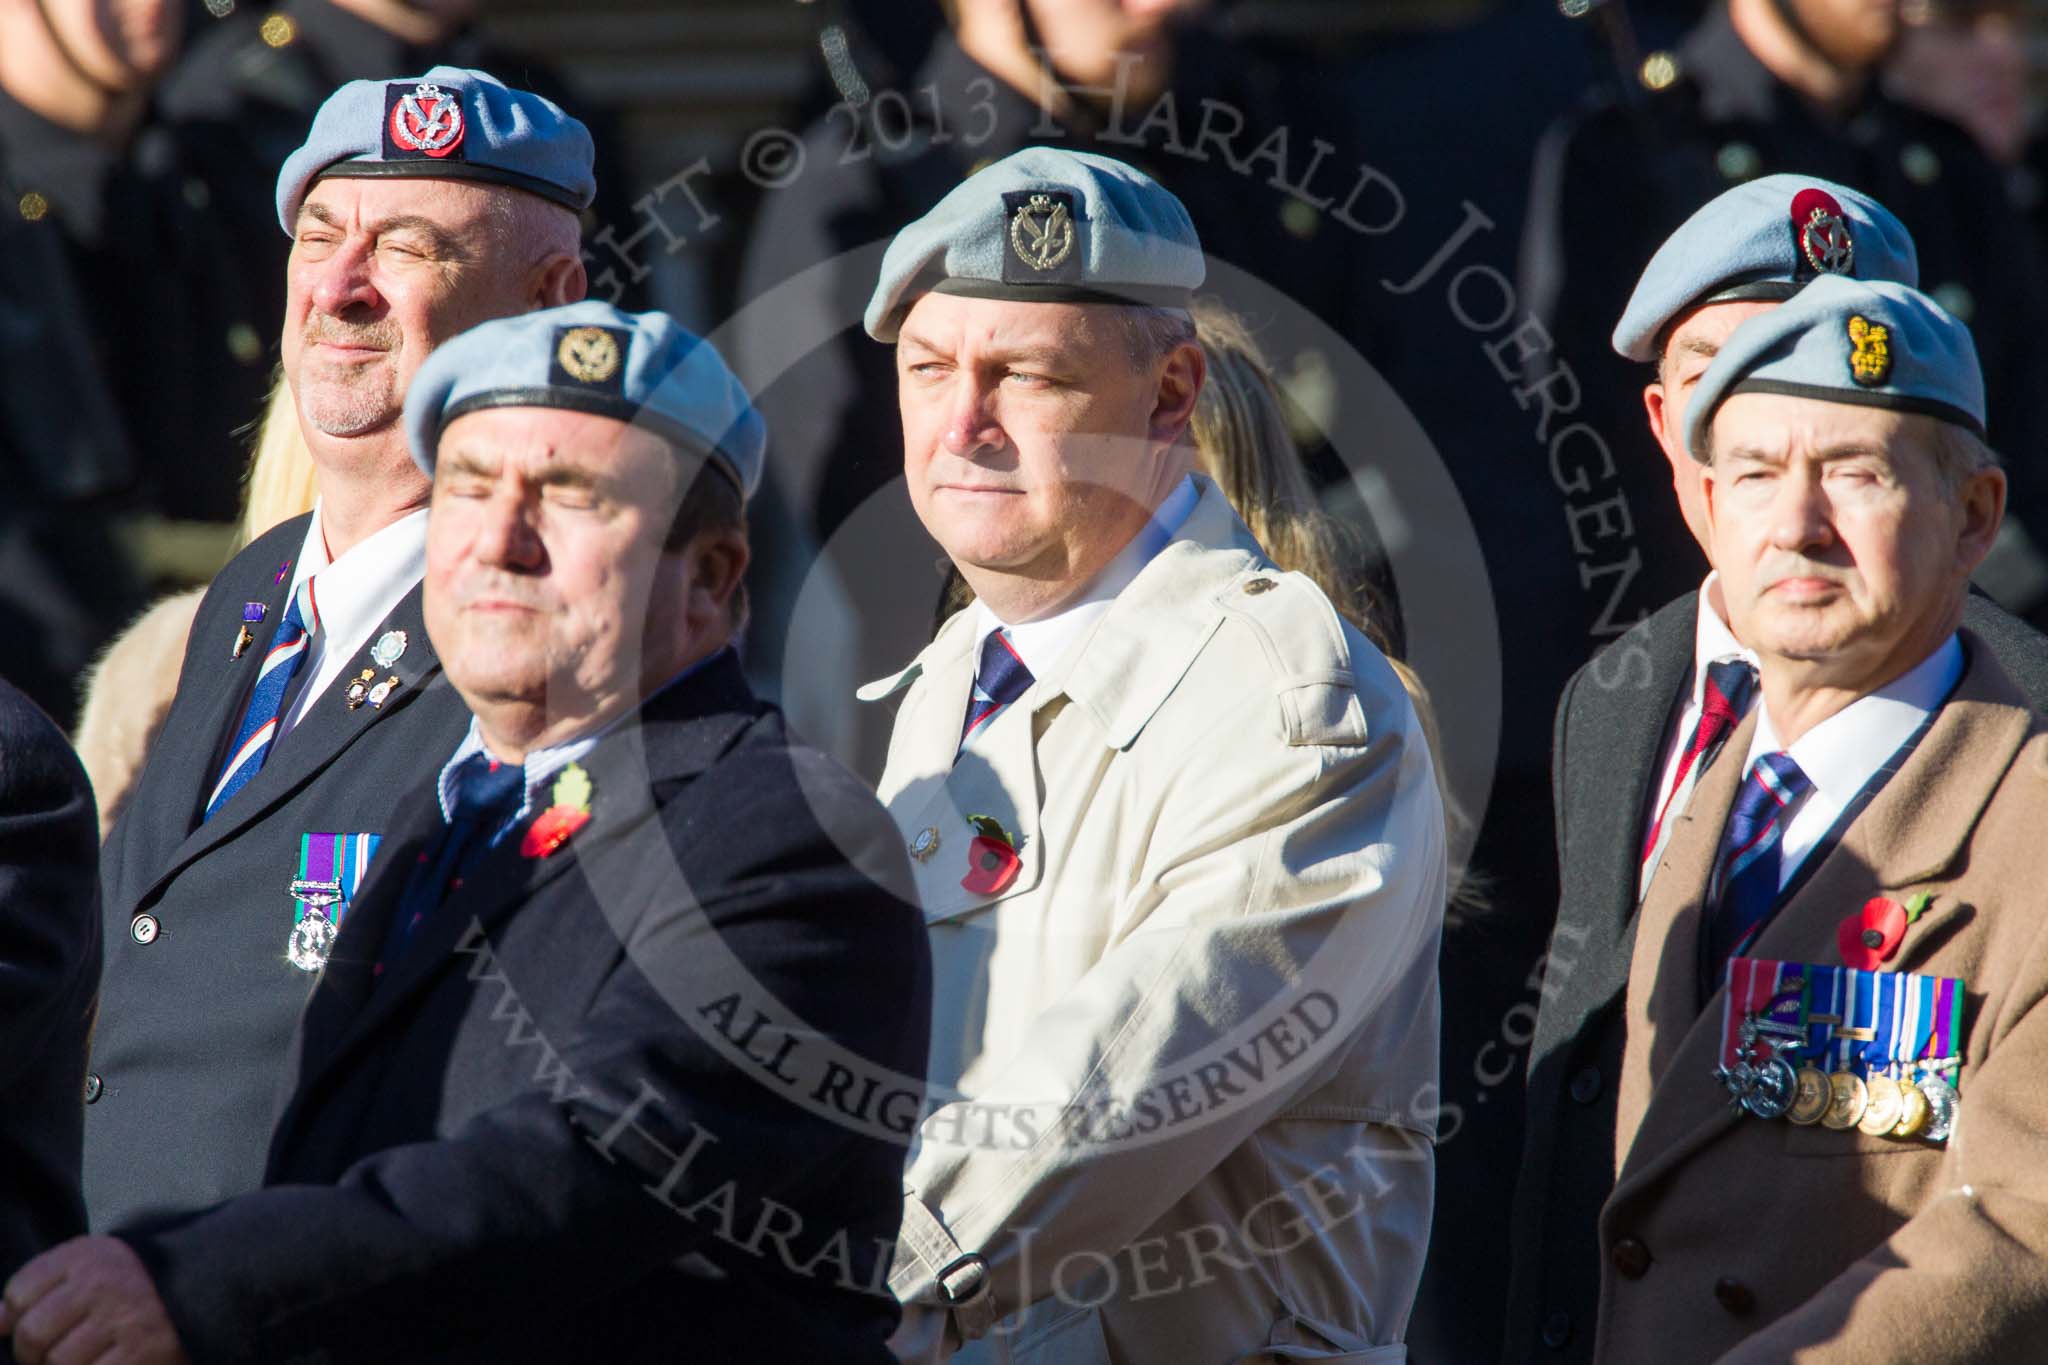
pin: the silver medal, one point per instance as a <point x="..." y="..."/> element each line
<point x="1941" y="1108"/>
<point x="311" y="939"/>
<point x="1770" y="1095"/>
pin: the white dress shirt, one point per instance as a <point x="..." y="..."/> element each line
<point x="1844" y="752"/>
<point x="353" y="595"/>
<point x="1041" y="644"/>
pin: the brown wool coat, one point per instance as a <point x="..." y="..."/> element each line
<point x="1733" y="1239"/>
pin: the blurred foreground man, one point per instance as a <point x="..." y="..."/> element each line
<point x="49" y="972"/>
<point x="1834" y="999"/>
<point x="581" y="1048"/>
<point x="1643" y="721"/>
<point x="307" y="701"/>
<point x="1177" y="839"/>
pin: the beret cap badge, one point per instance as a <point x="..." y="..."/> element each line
<point x="1042" y="231"/>
<point x="426" y="120"/>
<point x="589" y="355"/>
<point x="1823" y="229"/>
<point x="1870" y="352"/>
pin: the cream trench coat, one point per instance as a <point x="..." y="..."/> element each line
<point x="1184" y="1066"/>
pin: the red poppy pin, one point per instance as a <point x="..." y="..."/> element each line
<point x="568" y="812"/>
<point x="992" y="861"/>
<point x="1869" y="937"/>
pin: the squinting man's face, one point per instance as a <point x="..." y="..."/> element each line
<point x="1032" y="447"/>
<point x="544" y="556"/>
<point x="1688" y="351"/>
<point x="1836" y="542"/>
<point x="381" y="272"/>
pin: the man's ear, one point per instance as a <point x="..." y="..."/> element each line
<point x="558" y="280"/>
<point x="717" y="561"/>
<point x="1180" y="384"/>
<point x="1982" y="498"/>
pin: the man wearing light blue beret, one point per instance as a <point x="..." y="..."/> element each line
<point x="1835" y="999"/>
<point x="1642" y="723"/>
<point x="1175" y="831"/>
<point x="528" y="1118"/>
<point x="418" y="207"/>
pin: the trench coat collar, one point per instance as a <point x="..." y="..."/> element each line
<point x="1120" y="674"/>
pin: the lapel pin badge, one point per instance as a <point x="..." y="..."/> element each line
<point x="243" y="639"/>
<point x="359" y="688"/>
<point x="381" y="693"/>
<point x="388" y="649"/>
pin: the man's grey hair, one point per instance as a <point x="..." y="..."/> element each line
<point x="1151" y="334"/>
<point x="530" y="229"/>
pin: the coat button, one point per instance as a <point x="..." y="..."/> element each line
<point x="1734" y="1295"/>
<point x="143" y="929"/>
<point x="92" y="1087"/>
<point x="1631" y="1258"/>
<point x="1557" y="1331"/>
<point x="1586" y="1085"/>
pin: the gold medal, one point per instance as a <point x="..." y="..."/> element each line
<point x="1848" y="1098"/>
<point x="1810" y="1096"/>
<point x="1913" y="1111"/>
<point x="1885" y="1104"/>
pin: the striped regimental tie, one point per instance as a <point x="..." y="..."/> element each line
<point x="1725" y="696"/>
<point x="1001" y="679"/>
<point x="288" y="649"/>
<point x="1750" y="860"/>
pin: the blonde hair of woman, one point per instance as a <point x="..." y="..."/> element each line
<point x="128" y="691"/>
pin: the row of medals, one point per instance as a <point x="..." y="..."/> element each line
<point x="1880" y="1105"/>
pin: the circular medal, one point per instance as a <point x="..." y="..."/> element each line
<point x="311" y="937"/>
<point x="1885" y="1103"/>
<point x="1913" y="1111"/>
<point x="1941" y="1108"/>
<point x="1810" y="1096"/>
<point x="1770" y="1095"/>
<point x="1847" y="1099"/>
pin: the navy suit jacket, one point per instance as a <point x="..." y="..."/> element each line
<point x="49" y="970"/>
<point x="643" y="1098"/>
<point x="199" y="1000"/>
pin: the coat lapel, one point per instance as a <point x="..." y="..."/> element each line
<point x="322" y="734"/>
<point x="633" y="769"/>
<point x="1913" y="830"/>
<point x="1120" y="673"/>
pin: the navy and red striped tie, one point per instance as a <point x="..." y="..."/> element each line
<point x="1001" y="679"/>
<point x="1750" y="859"/>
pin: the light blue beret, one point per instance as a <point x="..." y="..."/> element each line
<point x="1764" y="239"/>
<point x="1045" y="225"/>
<point x="641" y="368"/>
<point x="450" y="124"/>
<point x="1869" y="342"/>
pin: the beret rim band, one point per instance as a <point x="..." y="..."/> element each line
<point x="449" y="170"/>
<point x="1127" y="295"/>
<point x="597" y="405"/>
<point x="1863" y="398"/>
<point x="1769" y="290"/>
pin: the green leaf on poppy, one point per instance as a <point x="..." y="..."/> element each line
<point x="989" y="827"/>
<point x="1916" y="905"/>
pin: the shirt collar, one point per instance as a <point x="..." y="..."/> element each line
<point x="1041" y="644"/>
<point x="360" y="589"/>
<point x="1712" y="640"/>
<point x="1843" y="752"/>
<point x="543" y="764"/>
